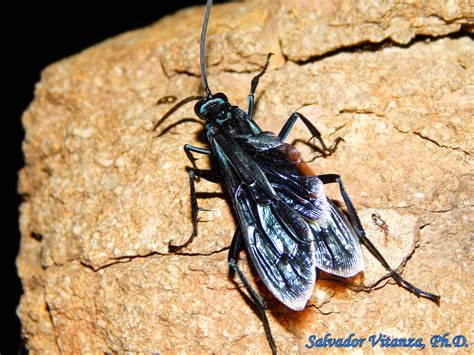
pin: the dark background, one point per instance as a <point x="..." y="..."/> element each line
<point x="39" y="34"/>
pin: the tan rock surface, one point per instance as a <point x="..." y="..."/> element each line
<point x="104" y="195"/>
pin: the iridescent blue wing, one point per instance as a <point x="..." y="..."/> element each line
<point x="288" y="224"/>
<point x="279" y="244"/>
<point x="337" y="247"/>
<point x="278" y="240"/>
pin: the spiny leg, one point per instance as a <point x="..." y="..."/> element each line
<point x="188" y="149"/>
<point x="257" y="301"/>
<point x="209" y="175"/>
<point x="193" y="174"/>
<point x="315" y="134"/>
<point x="253" y="87"/>
<point x="235" y="247"/>
<point x="333" y="178"/>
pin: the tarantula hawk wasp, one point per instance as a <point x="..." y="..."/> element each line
<point x="287" y="224"/>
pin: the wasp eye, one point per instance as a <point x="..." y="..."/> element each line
<point x="221" y="96"/>
<point x="197" y="109"/>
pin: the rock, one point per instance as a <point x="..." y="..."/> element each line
<point x="103" y="195"/>
<point x="311" y="28"/>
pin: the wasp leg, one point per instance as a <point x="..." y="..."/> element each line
<point x="193" y="175"/>
<point x="253" y="87"/>
<point x="333" y="178"/>
<point x="235" y="248"/>
<point x="209" y="175"/>
<point x="257" y="301"/>
<point x="188" y="149"/>
<point x="324" y="150"/>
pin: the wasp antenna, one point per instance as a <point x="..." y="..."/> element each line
<point x="174" y="108"/>
<point x="202" y="51"/>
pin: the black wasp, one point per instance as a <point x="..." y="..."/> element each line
<point x="288" y="225"/>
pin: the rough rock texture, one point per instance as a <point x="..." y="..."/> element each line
<point x="103" y="196"/>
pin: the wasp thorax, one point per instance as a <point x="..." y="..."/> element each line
<point x="214" y="108"/>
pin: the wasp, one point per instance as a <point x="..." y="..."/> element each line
<point x="287" y="224"/>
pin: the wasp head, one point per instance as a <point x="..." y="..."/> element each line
<point x="215" y="107"/>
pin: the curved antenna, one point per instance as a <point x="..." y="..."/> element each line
<point x="174" y="108"/>
<point x="202" y="50"/>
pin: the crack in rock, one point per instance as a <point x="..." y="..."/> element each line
<point x="431" y="140"/>
<point x="439" y="144"/>
<point x="127" y="259"/>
